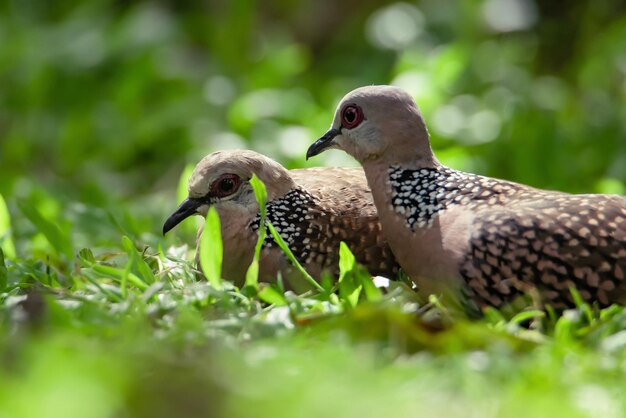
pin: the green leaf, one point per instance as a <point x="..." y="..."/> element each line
<point x="354" y="279"/>
<point x="144" y="269"/>
<point x="564" y="327"/>
<point x="6" y="242"/>
<point x="352" y="296"/>
<point x="137" y="259"/>
<point x="493" y="316"/>
<point x="272" y="296"/>
<point x="349" y="289"/>
<point x="211" y="250"/>
<point x="252" y="274"/>
<point x="260" y="193"/>
<point x="56" y="237"/>
<point x="347" y="261"/>
<point x="87" y="256"/>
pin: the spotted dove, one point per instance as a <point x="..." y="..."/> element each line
<point x="480" y="241"/>
<point x="313" y="209"/>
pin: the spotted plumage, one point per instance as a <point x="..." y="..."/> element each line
<point x="291" y="216"/>
<point x="313" y="230"/>
<point x="469" y="236"/>
<point x="537" y="242"/>
<point x="419" y="195"/>
<point x="312" y="209"/>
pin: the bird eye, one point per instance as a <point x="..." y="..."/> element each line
<point x="351" y="116"/>
<point x="225" y="185"/>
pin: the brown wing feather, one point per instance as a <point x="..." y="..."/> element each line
<point x="552" y="242"/>
<point x="343" y="210"/>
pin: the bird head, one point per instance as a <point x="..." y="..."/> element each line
<point x="378" y="122"/>
<point x="222" y="180"/>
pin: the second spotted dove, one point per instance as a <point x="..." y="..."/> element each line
<point x="313" y="209"/>
<point x="478" y="240"/>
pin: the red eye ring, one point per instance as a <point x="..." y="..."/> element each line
<point x="225" y="185"/>
<point x="351" y="116"/>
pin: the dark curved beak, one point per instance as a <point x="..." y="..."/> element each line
<point x="186" y="209"/>
<point x="323" y="143"/>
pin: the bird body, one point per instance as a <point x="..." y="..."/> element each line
<point x="480" y="240"/>
<point x="312" y="209"/>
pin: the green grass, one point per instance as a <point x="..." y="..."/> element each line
<point x="133" y="331"/>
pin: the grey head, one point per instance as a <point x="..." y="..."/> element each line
<point x="223" y="179"/>
<point x="378" y="123"/>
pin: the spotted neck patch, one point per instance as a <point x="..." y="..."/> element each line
<point x="420" y="195"/>
<point x="290" y="216"/>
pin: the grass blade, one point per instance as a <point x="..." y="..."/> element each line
<point x="126" y="273"/>
<point x="211" y="250"/>
<point x="292" y="258"/>
<point x="119" y="275"/>
<point x="6" y="242"/>
<point x="252" y="275"/>
<point x="260" y="192"/>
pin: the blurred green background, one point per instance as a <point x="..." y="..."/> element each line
<point x="105" y="101"/>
